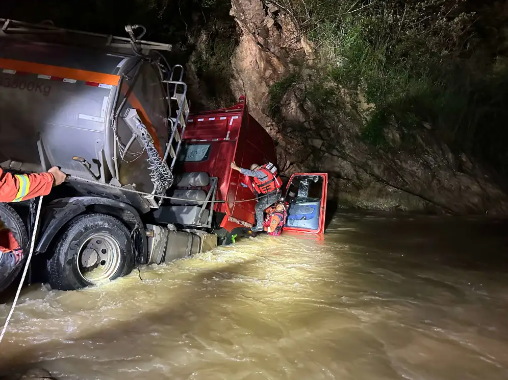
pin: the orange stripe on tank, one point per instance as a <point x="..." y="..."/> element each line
<point x="58" y="71"/>
<point x="133" y="100"/>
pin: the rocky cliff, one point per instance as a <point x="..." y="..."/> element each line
<point x="423" y="174"/>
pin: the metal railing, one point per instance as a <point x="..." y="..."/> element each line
<point x="14" y="28"/>
<point x="210" y="199"/>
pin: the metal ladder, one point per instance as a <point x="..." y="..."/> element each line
<point x="178" y="123"/>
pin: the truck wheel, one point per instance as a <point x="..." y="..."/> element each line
<point x="224" y="237"/>
<point x="8" y="268"/>
<point x="94" y="249"/>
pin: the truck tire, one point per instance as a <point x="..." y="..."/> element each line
<point x="95" y="248"/>
<point x="224" y="237"/>
<point x="8" y="268"/>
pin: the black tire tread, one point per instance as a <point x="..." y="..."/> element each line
<point x="55" y="271"/>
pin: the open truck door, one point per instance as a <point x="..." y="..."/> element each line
<point x="306" y="194"/>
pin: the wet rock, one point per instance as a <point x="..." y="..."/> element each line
<point x="428" y="126"/>
<point x="466" y="162"/>
<point x="317" y="143"/>
<point x="272" y="8"/>
<point x="269" y="22"/>
<point x="392" y="136"/>
<point x="292" y="107"/>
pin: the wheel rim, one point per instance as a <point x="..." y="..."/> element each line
<point x="98" y="258"/>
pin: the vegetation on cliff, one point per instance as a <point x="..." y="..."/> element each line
<point x="412" y="64"/>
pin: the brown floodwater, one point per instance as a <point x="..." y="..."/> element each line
<point x="382" y="296"/>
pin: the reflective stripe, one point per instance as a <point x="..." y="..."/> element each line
<point x="133" y="100"/>
<point x="58" y="71"/>
<point x="24" y="187"/>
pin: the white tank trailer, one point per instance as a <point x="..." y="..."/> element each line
<point x="111" y="112"/>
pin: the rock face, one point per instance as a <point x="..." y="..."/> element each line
<point x="422" y="175"/>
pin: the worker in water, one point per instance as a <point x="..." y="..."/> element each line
<point x="20" y="187"/>
<point x="276" y="218"/>
<point x="266" y="185"/>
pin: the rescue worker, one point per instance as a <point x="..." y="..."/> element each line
<point x="266" y="185"/>
<point x="276" y="219"/>
<point x="20" y="187"/>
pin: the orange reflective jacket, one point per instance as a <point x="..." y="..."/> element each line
<point x="275" y="220"/>
<point x="20" y="187"/>
<point x="271" y="183"/>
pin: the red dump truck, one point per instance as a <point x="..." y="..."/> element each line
<point x="149" y="182"/>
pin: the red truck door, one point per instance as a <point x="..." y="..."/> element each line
<point x="306" y="194"/>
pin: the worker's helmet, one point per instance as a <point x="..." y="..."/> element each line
<point x="254" y="166"/>
<point x="282" y="202"/>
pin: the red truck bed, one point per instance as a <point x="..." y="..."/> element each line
<point x="213" y="140"/>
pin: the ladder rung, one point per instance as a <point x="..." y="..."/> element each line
<point x="172" y="152"/>
<point x="185" y="105"/>
<point x="175" y="123"/>
<point x="181" y="119"/>
<point x="177" y="135"/>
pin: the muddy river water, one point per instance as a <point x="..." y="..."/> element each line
<point x="380" y="297"/>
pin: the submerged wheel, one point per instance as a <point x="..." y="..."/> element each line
<point x="8" y="268"/>
<point x="94" y="249"/>
<point x="224" y="237"/>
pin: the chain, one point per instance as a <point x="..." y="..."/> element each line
<point x="161" y="176"/>
<point x="157" y="196"/>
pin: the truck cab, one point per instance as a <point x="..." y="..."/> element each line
<point x="213" y="140"/>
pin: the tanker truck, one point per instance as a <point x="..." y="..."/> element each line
<point x="148" y="182"/>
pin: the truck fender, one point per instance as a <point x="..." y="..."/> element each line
<point x="60" y="212"/>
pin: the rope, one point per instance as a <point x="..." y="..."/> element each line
<point x="27" y="265"/>
<point x="160" y="196"/>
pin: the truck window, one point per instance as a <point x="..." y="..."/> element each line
<point x="194" y="153"/>
<point x="305" y="188"/>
